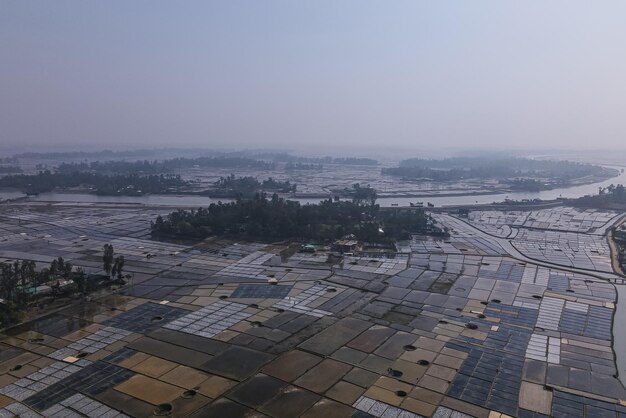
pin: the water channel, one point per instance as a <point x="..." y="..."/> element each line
<point x="619" y="332"/>
<point x="438" y="201"/>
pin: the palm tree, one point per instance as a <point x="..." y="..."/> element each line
<point x="107" y="258"/>
<point x="8" y="282"/>
<point x="67" y="270"/>
<point x="120" y="266"/>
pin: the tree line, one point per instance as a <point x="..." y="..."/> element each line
<point x="294" y="159"/>
<point x="528" y="185"/>
<point x="163" y="166"/>
<point x="20" y="279"/>
<point x="451" y="169"/>
<point x="610" y="197"/>
<point x="232" y="186"/>
<point x="118" y="184"/>
<point x="4" y="169"/>
<point x="278" y="219"/>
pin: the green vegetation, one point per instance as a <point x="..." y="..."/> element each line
<point x="232" y="186"/>
<point x="528" y="185"/>
<point x="112" y="266"/>
<point x="107" y="185"/>
<point x="452" y="169"/>
<point x="271" y="185"/>
<point x="107" y="258"/>
<point x="260" y="162"/>
<point x="611" y="197"/>
<point x="189" y="158"/>
<point x="89" y="154"/>
<point x="4" y="169"/>
<point x="288" y="158"/>
<point x="363" y="195"/>
<point x="279" y="219"/>
<point x="18" y="281"/>
<point x="9" y="165"/>
<point x="613" y="193"/>
<point x="163" y="166"/>
<point x="619" y="237"/>
<point x="21" y="283"/>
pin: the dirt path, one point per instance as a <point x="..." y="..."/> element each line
<point x="615" y="252"/>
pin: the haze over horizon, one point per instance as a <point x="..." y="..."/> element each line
<point x="447" y="74"/>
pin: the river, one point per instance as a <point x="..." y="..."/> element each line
<point x="198" y="201"/>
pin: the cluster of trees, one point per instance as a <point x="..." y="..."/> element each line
<point x="619" y="237"/>
<point x="120" y="184"/>
<point x="362" y="195"/>
<point x="614" y="193"/>
<point x="88" y="154"/>
<point x="237" y="159"/>
<point x="271" y="185"/>
<point x="24" y="273"/>
<point x="9" y="165"/>
<point x="163" y="166"/>
<point x="113" y="266"/>
<point x="155" y="153"/>
<point x="613" y="196"/>
<point x="17" y="275"/>
<point x="231" y="186"/>
<point x="529" y="185"/>
<point x="288" y="158"/>
<point x="278" y="219"/>
<point x="9" y="169"/>
<point x="19" y="279"/>
<point x="450" y="169"/>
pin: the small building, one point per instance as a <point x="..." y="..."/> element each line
<point x="346" y="246"/>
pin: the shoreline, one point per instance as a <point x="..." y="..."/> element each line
<point x="615" y="172"/>
<point x="617" y="267"/>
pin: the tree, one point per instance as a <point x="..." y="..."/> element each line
<point x="17" y="273"/>
<point x="8" y="282"/>
<point x="363" y="195"/>
<point x="277" y="218"/>
<point x="118" y="266"/>
<point x="54" y="267"/>
<point x="13" y="285"/>
<point x="67" y="270"/>
<point x="27" y="273"/>
<point x="60" y="265"/>
<point x="80" y="280"/>
<point x="107" y="258"/>
<point x="158" y="223"/>
<point x="43" y="276"/>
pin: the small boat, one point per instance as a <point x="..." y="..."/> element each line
<point x="394" y="204"/>
<point x="417" y="204"/>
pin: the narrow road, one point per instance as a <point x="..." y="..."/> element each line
<point x="470" y="230"/>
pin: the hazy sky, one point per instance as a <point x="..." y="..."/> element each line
<point x="528" y="73"/>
